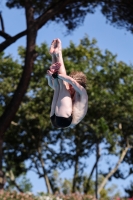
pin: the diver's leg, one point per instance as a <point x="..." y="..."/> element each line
<point x="64" y="101"/>
<point x="51" y="51"/>
<point x="56" y="53"/>
<point x="55" y="96"/>
<point x="54" y="65"/>
<point x="63" y="107"/>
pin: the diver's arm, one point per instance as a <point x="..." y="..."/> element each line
<point x="80" y="89"/>
<point x="50" y="83"/>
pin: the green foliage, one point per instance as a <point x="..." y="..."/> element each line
<point x="129" y="190"/>
<point x="9" y="78"/>
<point x="23" y="184"/>
<point x="64" y="186"/>
<point x="71" y="15"/>
<point x="109" y="119"/>
<point x="117" y="12"/>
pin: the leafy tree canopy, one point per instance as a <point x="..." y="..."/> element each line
<point x="117" y="12"/>
<point x="71" y="15"/>
<point x="109" y="118"/>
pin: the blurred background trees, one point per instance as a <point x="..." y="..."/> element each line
<point x="25" y="97"/>
<point x="69" y="12"/>
<point x="108" y="121"/>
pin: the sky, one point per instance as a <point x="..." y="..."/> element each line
<point x="118" y="41"/>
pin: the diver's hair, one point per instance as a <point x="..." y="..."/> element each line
<point x="80" y="77"/>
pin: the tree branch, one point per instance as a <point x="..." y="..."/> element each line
<point x="44" y="171"/>
<point x="4" y="35"/>
<point x="10" y="39"/>
<point x="13" y="106"/>
<point x="38" y="23"/>
<point x="50" y="149"/>
<point x="35" y="162"/>
<point x="115" y="168"/>
<point x="11" y="176"/>
<point x="93" y="168"/>
<point x="2" y="23"/>
<point x="45" y="17"/>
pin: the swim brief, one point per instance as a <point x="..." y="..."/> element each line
<point x="61" y="122"/>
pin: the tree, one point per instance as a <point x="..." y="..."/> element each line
<point x="129" y="190"/>
<point x="110" y="100"/>
<point x="37" y="14"/>
<point x="22" y="184"/>
<point x="108" y="121"/>
<point x="118" y="13"/>
<point x="24" y="137"/>
<point x="71" y="13"/>
<point x="28" y="139"/>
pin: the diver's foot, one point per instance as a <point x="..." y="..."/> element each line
<point x="55" y="48"/>
<point x="58" y="50"/>
<point x="52" y="47"/>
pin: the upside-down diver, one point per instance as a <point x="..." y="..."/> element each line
<point x="70" y="99"/>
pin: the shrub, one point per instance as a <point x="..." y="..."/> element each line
<point x="77" y="196"/>
<point x="16" y="196"/>
<point x="29" y="196"/>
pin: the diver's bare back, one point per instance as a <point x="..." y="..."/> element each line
<point x="80" y="106"/>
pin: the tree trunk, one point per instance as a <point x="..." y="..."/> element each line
<point x="113" y="170"/>
<point x="33" y="25"/>
<point x="75" y="176"/>
<point x="49" y="190"/>
<point x="14" y="104"/>
<point x="12" y="179"/>
<point x="2" y="177"/>
<point x="92" y="171"/>
<point x="2" y="23"/>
